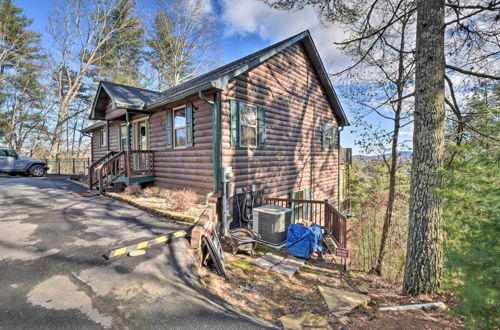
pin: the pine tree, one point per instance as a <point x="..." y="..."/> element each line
<point x="20" y="90"/>
<point x="122" y="55"/>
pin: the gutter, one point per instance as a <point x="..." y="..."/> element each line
<point x="216" y="138"/>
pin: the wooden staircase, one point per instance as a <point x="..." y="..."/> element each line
<point x="127" y="166"/>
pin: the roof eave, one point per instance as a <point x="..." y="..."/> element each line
<point x="181" y="95"/>
<point x="325" y="80"/>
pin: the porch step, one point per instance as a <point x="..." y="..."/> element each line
<point x="330" y="243"/>
<point x="137" y="178"/>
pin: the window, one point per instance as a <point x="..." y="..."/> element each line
<point x="7" y="153"/>
<point x="248" y="125"/>
<point x="179" y="128"/>
<point x="328" y="136"/>
<point x="102" y="138"/>
<point x="10" y="153"/>
<point x="123" y="137"/>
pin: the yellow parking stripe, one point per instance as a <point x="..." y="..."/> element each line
<point x="119" y="251"/>
<point x="161" y="239"/>
<point x="142" y="245"/>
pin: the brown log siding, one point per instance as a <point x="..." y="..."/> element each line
<point x="292" y="159"/>
<point x="185" y="167"/>
<point x="296" y="107"/>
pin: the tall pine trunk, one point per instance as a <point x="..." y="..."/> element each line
<point x="424" y="251"/>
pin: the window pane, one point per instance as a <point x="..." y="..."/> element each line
<point x="248" y="136"/>
<point x="248" y="114"/>
<point x="180" y="137"/>
<point x="179" y="118"/>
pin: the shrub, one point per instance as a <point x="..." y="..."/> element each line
<point x="152" y="191"/>
<point x="133" y="189"/>
<point x="181" y="200"/>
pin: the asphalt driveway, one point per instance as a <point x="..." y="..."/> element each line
<point x="52" y="275"/>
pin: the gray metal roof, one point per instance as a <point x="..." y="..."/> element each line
<point x="129" y="97"/>
<point x="97" y="124"/>
<point x="141" y="99"/>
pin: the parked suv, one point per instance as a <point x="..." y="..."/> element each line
<point x="12" y="164"/>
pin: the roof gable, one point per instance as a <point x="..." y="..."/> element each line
<point x="141" y="99"/>
<point x="122" y="96"/>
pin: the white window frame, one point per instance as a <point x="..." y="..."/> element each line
<point x="103" y="137"/>
<point x="174" y="142"/>
<point x="240" y="106"/>
<point x="121" y="137"/>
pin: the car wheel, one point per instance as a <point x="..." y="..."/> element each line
<point x="37" y="170"/>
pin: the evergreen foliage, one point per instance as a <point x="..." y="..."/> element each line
<point x="471" y="200"/>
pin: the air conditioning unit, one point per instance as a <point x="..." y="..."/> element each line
<point x="271" y="222"/>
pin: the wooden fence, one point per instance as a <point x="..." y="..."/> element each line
<point x="68" y="166"/>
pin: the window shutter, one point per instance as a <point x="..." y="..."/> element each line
<point x="169" y="129"/>
<point x="189" y="125"/>
<point x="323" y="137"/>
<point x="334" y="137"/>
<point x="262" y="127"/>
<point x="235" y="123"/>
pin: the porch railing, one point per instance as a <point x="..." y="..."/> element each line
<point x="115" y="165"/>
<point x="321" y="213"/>
<point x="93" y="174"/>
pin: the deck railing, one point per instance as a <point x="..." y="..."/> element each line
<point x="321" y="213"/>
<point x="115" y="165"/>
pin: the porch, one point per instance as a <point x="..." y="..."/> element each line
<point x="126" y="166"/>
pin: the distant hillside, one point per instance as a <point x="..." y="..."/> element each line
<point x="404" y="156"/>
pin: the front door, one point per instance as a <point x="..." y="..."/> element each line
<point x="140" y="141"/>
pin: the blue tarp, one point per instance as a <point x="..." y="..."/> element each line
<point x="302" y="241"/>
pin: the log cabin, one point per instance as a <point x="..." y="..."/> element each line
<point x="268" y="123"/>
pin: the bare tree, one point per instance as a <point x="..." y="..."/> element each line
<point x="474" y="26"/>
<point x="182" y="39"/>
<point x="80" y="31"/>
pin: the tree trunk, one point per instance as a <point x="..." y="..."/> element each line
<point x="58" y="130"/>
<point x="424" y="251"/>
<point x="394" y="152"/>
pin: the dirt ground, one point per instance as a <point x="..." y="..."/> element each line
<point x="270" y="295"/>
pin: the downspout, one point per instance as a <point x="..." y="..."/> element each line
<point x="216" y="145"/>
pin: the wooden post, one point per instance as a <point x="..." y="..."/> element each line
<point x="129" y="135"/>
<point x="107" y="136"/>
<point x="58" y="164"/>
<point x="73" y="172"/>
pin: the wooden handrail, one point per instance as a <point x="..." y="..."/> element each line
<point x="320" y="212"/>
<point x="94" y="165"/>
<point x="123" y="164"/>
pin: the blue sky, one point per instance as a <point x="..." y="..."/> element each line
<point x="247" y="26"/>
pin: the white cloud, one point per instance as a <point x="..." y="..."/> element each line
<point x="406" y="133"/>
<point x="255" y="17"/>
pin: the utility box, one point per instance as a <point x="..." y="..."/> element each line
<point x="271" y="222"/>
